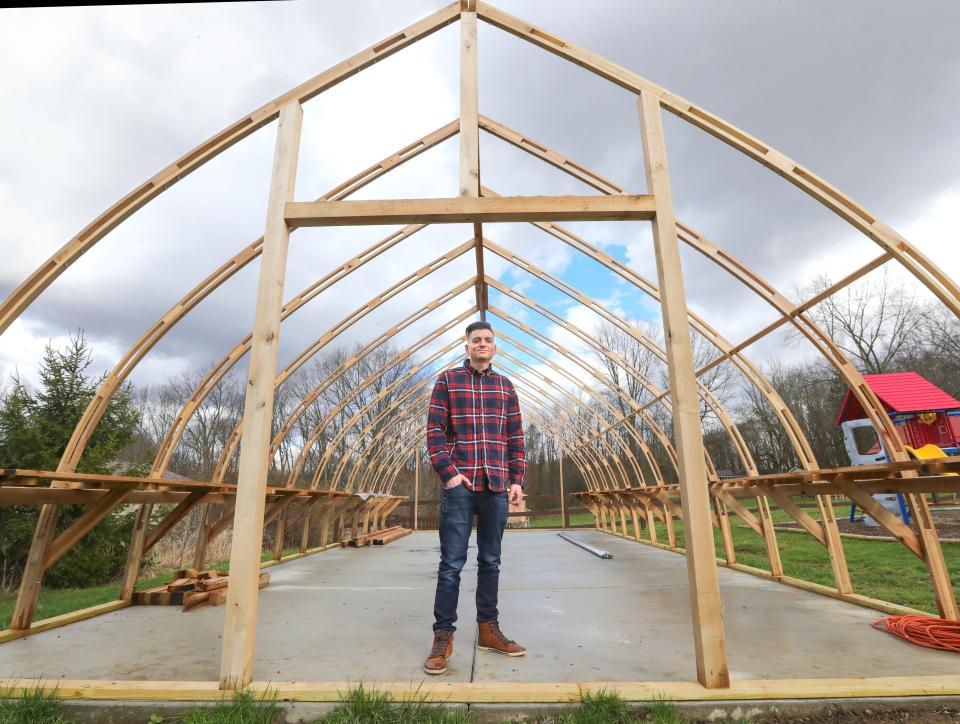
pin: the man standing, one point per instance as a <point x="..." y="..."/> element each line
<point x="475" y="440"/>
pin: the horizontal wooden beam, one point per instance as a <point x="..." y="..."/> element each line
<point x="469" y="210"/>
<point x="502" y="691"/>
<point x="919" y="485"/>
<point x="16" y="495"/>
<point x="62" y="620"/>
<point x="92" y="486"/>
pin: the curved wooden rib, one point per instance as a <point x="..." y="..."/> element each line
<point x="234" y="439"/>
<point x="97" y="407"/>
<point x="615" y="389"/>
<point x="843" y="206"/>
<point x="31" y="288"/>
<point x="392" y="452"/>
<point x="603" y="379"/>
<point x="889" y="240"/>
<point x="631" y="432"/>
<point x="418" y="415"/>
<point x="602" y="349"/>
<point x="223" y="367"/>
<point x="362" y="410"/>
<point x="218" y="473"/>
<point x="366" y="484"/>
<point x="209" y="532"/>
<point x="347" y="364"/>
<point x="525" y="386"/>
<point x="621" y="443"/>
<point x="241" y="348"/>
<point x="705" y="394"/>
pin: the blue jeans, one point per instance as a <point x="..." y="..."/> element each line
<point x="456" y="519"/>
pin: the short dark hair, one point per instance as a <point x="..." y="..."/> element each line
<point x="473" y="326"/>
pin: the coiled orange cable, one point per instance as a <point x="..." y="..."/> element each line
<point x="928" y="631"/>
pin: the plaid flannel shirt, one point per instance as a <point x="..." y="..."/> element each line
<point x="474" y="427"/>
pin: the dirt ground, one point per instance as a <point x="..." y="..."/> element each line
<point x="933" y="716"/>
<point x="947" y="522"/>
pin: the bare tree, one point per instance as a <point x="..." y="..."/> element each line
<point x="873" y="321"/>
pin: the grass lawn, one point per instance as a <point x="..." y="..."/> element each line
<point x="56" y="601"/>
<point x="879" y="569"/>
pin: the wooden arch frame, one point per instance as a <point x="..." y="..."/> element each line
<point x="472" y="206"/>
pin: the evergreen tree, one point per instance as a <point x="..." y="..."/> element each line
<point x="35" y="428"/>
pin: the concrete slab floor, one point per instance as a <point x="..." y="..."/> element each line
<point x="366" y="614"/>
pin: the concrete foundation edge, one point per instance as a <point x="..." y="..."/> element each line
<point x="137" y="712"/>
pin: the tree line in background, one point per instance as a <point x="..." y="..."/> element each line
<point x="882" y="326"/>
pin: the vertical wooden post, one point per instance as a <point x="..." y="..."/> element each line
<point x="636" y="523"/>
<point x="469" y="106"/>
<point x="708" y="632"/>
<point x="668" y="520"/>
<point x="563" y="496"/>
<point x="416" y="488"/>
<point x="33" y="570"/>
<point x="280" y="534"/>
<point x="203" y="535"/>
<point x="769" y="536"/>
<point x="933" y="556"/>
<point x="470" y="135"/>
<point x="240" y="620"/>
<point x="305" y="532"/>
<point x="723" y="521"/>
<point x="141" y="525"/>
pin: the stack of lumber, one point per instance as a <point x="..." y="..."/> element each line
<point x="391" y="534"/>
<point x="191" y="589"/>
<point x="377" y="537"/>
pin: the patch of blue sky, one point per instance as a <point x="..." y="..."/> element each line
<point x="585" y="274"/>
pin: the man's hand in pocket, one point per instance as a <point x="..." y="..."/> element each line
<point x="456" y="480"/>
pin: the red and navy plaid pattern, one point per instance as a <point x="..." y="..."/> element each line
<point x="474" y="427"/>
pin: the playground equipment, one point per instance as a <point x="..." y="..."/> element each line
<point x="926" y="418"/>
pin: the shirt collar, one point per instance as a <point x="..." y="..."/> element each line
<point x="470" y="368"/>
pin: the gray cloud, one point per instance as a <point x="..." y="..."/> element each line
<point x="865" y="93"/>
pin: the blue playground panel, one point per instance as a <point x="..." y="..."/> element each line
<point x="904" y="510"/>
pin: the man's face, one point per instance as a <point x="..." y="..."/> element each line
<point x="480" y="345"/>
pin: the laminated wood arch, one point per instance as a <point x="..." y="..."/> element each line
<point x="595" y="443"/>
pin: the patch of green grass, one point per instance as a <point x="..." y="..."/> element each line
<point x="369" y="706"/>
<point x="664" y="712"/>
<point x="32" y="706"/>
<point x="606" y="707"/>
<point x="556" y="521"/>
<point x="879" y="569"/>
<point x="57" y="601"/>
<point x="246" y="707"/>
<point x="601" y="706"/>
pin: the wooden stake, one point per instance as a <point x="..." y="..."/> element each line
<point x="280" y="532"/>
<point x="563" y="497"/>
<point x="708" y="632"/>
<point x="236" y="667"/>
<point x="134" y="554"/>
<point x="416" y="488"/>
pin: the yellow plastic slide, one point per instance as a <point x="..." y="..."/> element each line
<point x="927" y="452"/>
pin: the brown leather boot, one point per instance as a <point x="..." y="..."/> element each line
<point x="436" y="662"/>
<point x="491" y="638"/>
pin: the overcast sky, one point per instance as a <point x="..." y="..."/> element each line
<point x="865" y="93"/>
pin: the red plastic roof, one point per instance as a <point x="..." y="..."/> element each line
<point x="899" y="392"/>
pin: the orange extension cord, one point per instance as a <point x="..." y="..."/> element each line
<point x="929" y="631"/>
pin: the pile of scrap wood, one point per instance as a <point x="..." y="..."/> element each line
<point x="378" y="537"/>
<point x="191" y="589"/>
